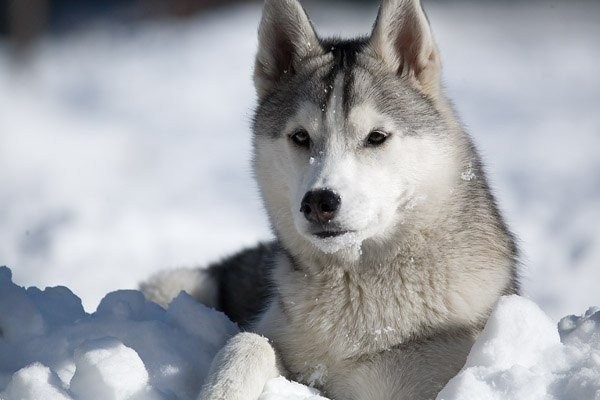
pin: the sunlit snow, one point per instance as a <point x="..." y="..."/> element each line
<point x="125" y="150"/>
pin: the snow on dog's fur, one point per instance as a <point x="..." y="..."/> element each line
<point x="390" y="250"/>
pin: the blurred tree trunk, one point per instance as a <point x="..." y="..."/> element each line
<point x="26" y="21"/>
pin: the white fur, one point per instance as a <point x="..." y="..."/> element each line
<point x="164" y="286"/>
<point x="241" y="369"/>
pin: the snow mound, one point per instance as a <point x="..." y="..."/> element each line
<point x="521" y="355"/>
<point x="50" y="348"/>
<point x="128" y="349"/>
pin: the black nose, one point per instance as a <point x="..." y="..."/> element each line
<point x="320" y="205"/>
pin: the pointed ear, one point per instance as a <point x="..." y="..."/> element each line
<point x="402" y="39"/>
<point x="285" y="37"/>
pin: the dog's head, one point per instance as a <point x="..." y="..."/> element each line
<point x="351" y="137"/>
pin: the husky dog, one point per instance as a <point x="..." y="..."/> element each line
<point x="390" y="250"/>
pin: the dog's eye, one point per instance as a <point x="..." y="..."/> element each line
<point x="376" y="138"/>
<point x="301" y="138"/>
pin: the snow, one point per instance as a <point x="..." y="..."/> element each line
<point x="521" y="355"/>
<point x="133" y="349"/>
<point x="128" y="349"/>
<point x="125" y="150"/>
<point x="107" y="369"/>
<point x="35" y="381"/>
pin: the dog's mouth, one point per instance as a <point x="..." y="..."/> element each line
<point x="330" y="234"/>
<point x="333" y="240"/>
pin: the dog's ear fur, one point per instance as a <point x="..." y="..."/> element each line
<point x="285" y="37"/>
<point x="402" y="38"/>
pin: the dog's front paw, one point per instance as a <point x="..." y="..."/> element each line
<point x="241" y="369"/>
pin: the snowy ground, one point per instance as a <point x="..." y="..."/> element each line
<point x="124" y="150"/>
<point x="133" y="349"/>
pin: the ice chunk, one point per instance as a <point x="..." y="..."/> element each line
<point x="20" y="319"/>
<point x="581" y="329"/>
<point x="128" y="304"/>
<point x="107" y="369"/>
<point x="34" y="382"/>
<point x="519" y="356"/>
<point x="517" y="332"/>
<point x="58" y="305"/>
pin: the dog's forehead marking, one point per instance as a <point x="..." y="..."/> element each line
<point x="334" y="113"/>
<point x="338" y="88"/>
<point x="344" y="58"/>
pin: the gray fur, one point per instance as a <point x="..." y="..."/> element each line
<point x="391" y="309"/>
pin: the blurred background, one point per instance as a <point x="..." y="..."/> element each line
<point x="125" y="141"/>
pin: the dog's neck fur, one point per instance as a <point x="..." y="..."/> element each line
<point x="378" y="301"/>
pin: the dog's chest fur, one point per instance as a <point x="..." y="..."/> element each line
<point x="342" y="315"/>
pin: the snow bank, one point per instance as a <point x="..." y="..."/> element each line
<point x="520" y="355"/>
<point x="133" y="349"/>
<point x="128" y="349"/>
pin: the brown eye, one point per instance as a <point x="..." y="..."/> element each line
<point x="376" y="138"/>
<point x="301" y="138"/>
